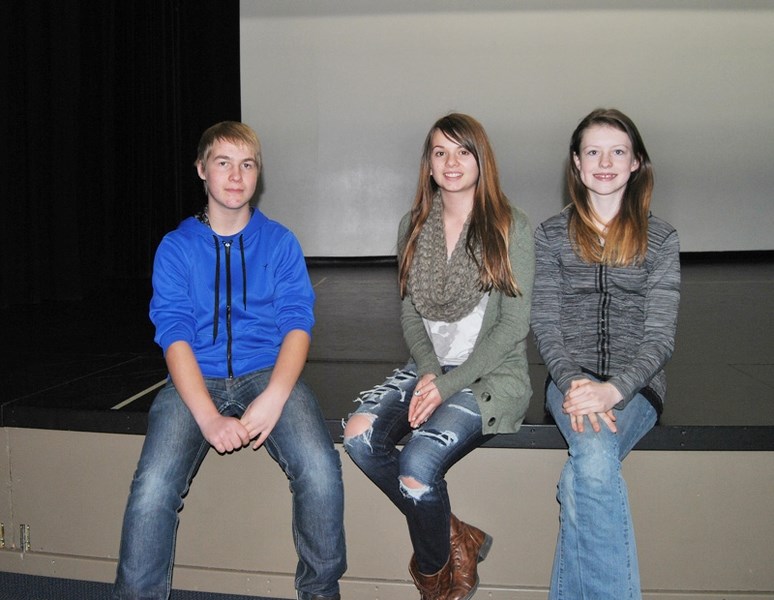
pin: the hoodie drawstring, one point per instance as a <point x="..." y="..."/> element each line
<point x="227" y="247"/>
<point x="244" y="270"/>
<point x="217" y="290"/>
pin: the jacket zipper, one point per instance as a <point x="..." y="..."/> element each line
<point x="227" y="246"/>
<point x="603" y="318"/>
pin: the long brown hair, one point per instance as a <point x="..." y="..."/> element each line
<point x="625" y="240"/>
<point x="490" y="220"/>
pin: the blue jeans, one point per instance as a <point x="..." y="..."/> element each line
<point x="596" y="555"/>
<point x="173" y="450"/>
<point x="453" y="430"/>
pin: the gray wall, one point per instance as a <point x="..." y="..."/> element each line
<point x="342" y="95"/>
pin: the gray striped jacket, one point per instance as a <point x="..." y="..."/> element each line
<point x="617" y="323"/>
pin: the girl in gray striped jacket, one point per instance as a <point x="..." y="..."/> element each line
<point x="604" y="312"/>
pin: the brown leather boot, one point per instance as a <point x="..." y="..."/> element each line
<point x="469" y="546"/>
<point x="431" y="587"/>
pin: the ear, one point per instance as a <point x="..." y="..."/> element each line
<point x="201" y="171"/>
<point x="576" y="160"/>
<point x="635" y="165"/>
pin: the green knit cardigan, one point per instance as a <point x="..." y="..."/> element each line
<point x="496" y="370"/>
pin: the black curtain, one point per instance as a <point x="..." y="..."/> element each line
<point x="102" y="105"/>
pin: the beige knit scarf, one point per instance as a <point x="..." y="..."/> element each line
<point x="441" y="289"/>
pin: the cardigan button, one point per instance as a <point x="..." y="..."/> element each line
<point x="491" y="421"/>
<point x="486" y="397"/>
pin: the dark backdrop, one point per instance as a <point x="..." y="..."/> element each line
<point x="102" y="104"/>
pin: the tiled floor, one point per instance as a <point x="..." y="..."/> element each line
<point x="93" y="366"/>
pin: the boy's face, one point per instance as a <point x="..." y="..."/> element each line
<point x="231" y="175"/>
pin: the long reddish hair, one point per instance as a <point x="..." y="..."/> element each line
<point x="625" y="240"/>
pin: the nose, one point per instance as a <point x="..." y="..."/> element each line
<point x="451" y="158"/>
<point x="605" y="159"/>
<point x="235" y="174"/>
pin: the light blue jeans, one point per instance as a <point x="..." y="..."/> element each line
<point x="173" y="450"/>
<point x="453" y="430"/>
<point x="596" y="555"/>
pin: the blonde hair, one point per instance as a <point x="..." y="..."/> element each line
<point x="230" y="131"/>
<point x="625" y="240"/>
<point x="491" y="217"/>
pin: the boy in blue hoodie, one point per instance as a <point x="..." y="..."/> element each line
<point x="233" y="310"/>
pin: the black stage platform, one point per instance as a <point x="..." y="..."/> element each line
<point x="93" y="366"/>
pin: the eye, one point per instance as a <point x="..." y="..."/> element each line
<point x="438" y="153"/>
<point x="464" y="152"/>
<point x="591" y="152"/>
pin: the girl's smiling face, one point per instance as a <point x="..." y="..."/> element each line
<point x="453" y="167"/>
<point x="605" y="162"/>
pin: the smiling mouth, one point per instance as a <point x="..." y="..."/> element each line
<point x="453" y="175"/>
<point x="605" y="176"/>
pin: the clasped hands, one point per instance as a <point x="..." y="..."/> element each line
<point x="227" y="434"/>
<point x="593" y="400"/>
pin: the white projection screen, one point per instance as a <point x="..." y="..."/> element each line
<point x="343" y="93"/>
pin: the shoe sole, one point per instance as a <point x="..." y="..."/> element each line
<point x="483" y="551"/>
<point x="486" y="546"/>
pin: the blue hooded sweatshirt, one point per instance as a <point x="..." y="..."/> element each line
<point x="234" y="298"/>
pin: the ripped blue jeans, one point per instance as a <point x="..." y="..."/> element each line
<point x="453" y="430"/>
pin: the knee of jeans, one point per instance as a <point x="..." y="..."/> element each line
<point x="151" y="491"/>
<point x="595" y="460"/>
<point x="320" y="479"/>
<point x="323" y="462"/>
<point x="357" y="431"/>
<point x="413" y="489"/>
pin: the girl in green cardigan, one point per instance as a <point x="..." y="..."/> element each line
<point x="465" y="264"/>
